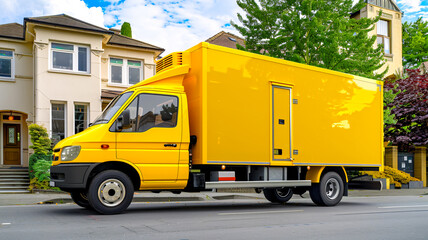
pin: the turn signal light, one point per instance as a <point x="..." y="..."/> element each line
<point x="105" y="146"/>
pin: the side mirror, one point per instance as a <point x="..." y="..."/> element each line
<point x="124" y="120"/>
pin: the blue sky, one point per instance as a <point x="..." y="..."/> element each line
<point x="172" y="24"/>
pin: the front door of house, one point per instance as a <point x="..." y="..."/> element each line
<point x="11" y="144"/>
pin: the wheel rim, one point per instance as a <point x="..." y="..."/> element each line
<point x="283" y="192"/>
<point x="332" y="188"/>
<point x="111" y="192"/>
<point x="83" y="196"/>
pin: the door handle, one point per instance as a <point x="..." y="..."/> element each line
<point x="170" y="145"/>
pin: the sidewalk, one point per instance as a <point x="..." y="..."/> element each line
<point x="59" y="198"/>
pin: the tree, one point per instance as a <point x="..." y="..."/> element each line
<point x="415" y="43"/>
<point x="125" y="30"/>
<point x="410" y="107"/>
<point x="314" y="32"/>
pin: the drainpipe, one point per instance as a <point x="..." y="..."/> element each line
<point x="34" y="76"/>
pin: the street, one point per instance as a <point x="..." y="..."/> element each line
<point x="381" y="217"/>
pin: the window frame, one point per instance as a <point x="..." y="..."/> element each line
<point x="383" y="37"/>
<point x="12" y="65"/>
<point x="65" y="118"/>
<point x="125" y="71"/>
<point x="74" y="115"/>
<point x="113" y="127"/>
<point x="75" y="54"/>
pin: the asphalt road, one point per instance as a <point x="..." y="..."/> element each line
<point x="392" y="217"/>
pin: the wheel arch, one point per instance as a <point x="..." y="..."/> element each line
<point x="126" y="168"/>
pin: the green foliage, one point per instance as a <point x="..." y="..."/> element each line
<point x="126" y="30"/>
<point x="42" y="170"/>
<point x="39" y="139"/>
<point x="388" y="98"/>
<point x="415" y="43"/>
<point x="40" y="177"/>
<point x="33" y="159"/>
<point x="314" y="32"/>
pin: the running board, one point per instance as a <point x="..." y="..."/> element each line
<point x="258" y="184"/>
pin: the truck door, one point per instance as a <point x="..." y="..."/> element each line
<point x="152" y="141"/>
<point x="281" y="123"/>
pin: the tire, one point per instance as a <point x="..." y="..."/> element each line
<point x="278" y="195"/>
<point x="81" y="199"/>
<point x="329" y="191"/>
<point x="110" y="192"/>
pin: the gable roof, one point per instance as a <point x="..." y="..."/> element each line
<point x="63" y="20"/>
<point x="387" y="4"/>
<point x="226" y="39"/>
<point x="12" y="30"/>
<point x="121" y="40"/>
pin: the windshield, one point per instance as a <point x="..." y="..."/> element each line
<point x="112" y="108"/>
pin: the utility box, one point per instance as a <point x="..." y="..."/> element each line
<point x="406" y="162"/>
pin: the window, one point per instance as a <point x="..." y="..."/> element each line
<point x="68" y="57"/>
<point x="58" y="122"/>
<point x="80" y="117"/>
<point x="125" y="72"/>
<point x="7" y="64"/>
<point x="383" y="36"/>
<point x="150" y="110"/>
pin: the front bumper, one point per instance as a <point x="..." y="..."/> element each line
<point x="71" y="176"/>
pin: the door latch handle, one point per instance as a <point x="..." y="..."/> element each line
<point x="170" y="145"/>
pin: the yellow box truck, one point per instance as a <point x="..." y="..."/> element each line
<point x="214" y="117"/>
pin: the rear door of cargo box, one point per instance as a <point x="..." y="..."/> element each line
<point x="281" y="124"/>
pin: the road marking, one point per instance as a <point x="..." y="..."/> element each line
<point x="4" y="224"/>
<point x="264" y="212"/>
<point x="409" y="206"/>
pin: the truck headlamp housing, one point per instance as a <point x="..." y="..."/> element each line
<point x="70" y="153"/>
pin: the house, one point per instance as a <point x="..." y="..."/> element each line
<point x="226" y="39"/>
<point x="388" y="31"/>
<point x="60" y="72"/>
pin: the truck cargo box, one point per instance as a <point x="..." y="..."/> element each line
<point x="250" y="109"/>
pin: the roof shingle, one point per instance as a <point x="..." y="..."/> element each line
<point x="12" y="30"/>
<point x="64" y="20"/>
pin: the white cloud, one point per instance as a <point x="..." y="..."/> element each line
<point x="18" y="9"/>
<point x="410" y="6"/>
<point x="171" y="25"/>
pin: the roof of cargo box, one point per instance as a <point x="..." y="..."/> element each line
<point x="172" y="68"/>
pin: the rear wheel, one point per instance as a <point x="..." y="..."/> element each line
<point x="81" y="199"/>
<point x="329" y="191"/>
<point x="278" y="195"/>
<point x="110" y="192"/>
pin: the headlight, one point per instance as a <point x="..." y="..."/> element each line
<point x="70" y="153"/>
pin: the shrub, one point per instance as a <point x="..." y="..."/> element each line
<point x="39" y="139"/>
<point x="35" y="158"/>
<point x="407" y="101"/>
<point x="395" y="176"/>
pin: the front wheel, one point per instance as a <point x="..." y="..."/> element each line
<point x="81" y="199"/>
<point x="110" y="192"/>
<point x="278" y="195"/>
<point x="329" y="191"/>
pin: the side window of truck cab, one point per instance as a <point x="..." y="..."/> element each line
<point x="148" y="111"/>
